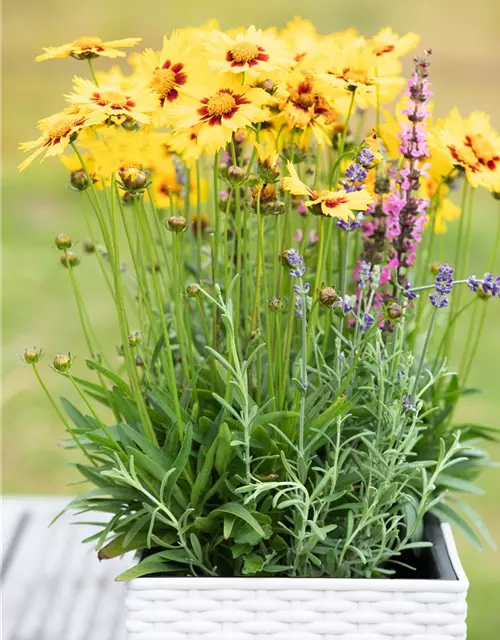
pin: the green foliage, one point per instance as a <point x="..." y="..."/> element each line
<point x="235" y="495"/>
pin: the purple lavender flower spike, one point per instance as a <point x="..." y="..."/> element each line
<point x="367" y="322"/>
<point x="443" y="285"/>
<point x="365" y="157"/>
<point x="364" y="274"/>
<point x="408" y="293"/>
<point x="409" y="403"/>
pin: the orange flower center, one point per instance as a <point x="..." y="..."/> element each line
<point x="163" y="81"/>
<point x="220" y="104"/>
<point x="88" y="42"/>
<point x="61" y="128"/>
<point x="333" y="203"/>
<point x="113" y="99"/>
<point x="244" y="52"/>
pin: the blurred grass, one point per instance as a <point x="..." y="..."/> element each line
<point x="38" y="308"/>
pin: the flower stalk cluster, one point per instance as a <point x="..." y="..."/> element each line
<point x="250" y="419"/>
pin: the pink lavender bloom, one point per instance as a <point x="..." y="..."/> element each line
<point x="313" y="236"/>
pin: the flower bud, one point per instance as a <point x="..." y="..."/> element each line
<point x="133" y="179"/>
<point x="267" y="85"/>
<point x="135" y="339"/>
<point x="129" y="124"/>
<point x="235" y="175"/>
<point x="63" y="241"/>
<point x="69" y="259"/>
<point x="128" y="198"/>
<point x="394" y="310"/>
<point x="79" y="180"/>
<point x="328" y="296"/>
<point x="62" y="362"/>
<point x="32" y="356"/>
<point x="264" y="194"/>
<point x="89" y="246"/>
<point x="275" y="304"/>
<point x="176" y="224"/>
<point x="192" y="290"/>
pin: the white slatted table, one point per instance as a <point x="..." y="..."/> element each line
<point x="53" y="587"/>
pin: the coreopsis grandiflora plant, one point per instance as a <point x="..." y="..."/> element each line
<point x="282" y="400"/>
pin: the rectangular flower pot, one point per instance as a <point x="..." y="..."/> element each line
<point x="431" y="608"/>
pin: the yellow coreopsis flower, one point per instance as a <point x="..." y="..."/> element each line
<point x="252" y="52"/>
<point x="116" y="148"/>
<point x="305" y="103"/>
<point x="112" y="102"/>
<point x="57" y="132"/>
<point x="301" y="37"/>
<point x="333" y="204"/>
<point x="472" y="144"/>
<point x="170" y="72"/>
<point x="185" y="144"/>
<point x="355" y="67"/>
<point x="387" y="44"/>
<point x="220" y="109"/>
<point x="88" y="47"/>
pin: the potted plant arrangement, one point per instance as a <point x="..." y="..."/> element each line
<point x="275" y="438"/>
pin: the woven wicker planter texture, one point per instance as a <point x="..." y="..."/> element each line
<point x="299" y="608"/>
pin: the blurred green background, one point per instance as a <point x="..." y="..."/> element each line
<point x="38" y="308"/>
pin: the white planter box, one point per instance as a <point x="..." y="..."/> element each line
<point x="299" y="608"/>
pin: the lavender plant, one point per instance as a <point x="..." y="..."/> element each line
<point x="282" y="401"/>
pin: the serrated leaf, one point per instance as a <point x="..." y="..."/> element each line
<point x="253" y="564"/>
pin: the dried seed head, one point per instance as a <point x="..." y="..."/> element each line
<point x="62" y="362"/>
<point x="32" y="356"/>
<point x="176" y="223"/>
<point x="192" y="290"/>
<point x="134" y="339"/>
<point x="328" y="296"/>
<point x="69" y="259"/>
<point x="63" y="241"/>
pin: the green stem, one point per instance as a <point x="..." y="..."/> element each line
<point x="92" y="71"/>
<point x="159" y="301"/>
<point x="123" y="323"/>
<point x="477" y="332"/>
<point x="61" y="415"/>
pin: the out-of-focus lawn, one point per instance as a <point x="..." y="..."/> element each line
<point x="38" y="308"/>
